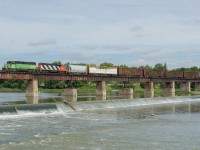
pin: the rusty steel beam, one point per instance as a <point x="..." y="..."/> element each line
<point x="28" y="76"/>
<point x="16" y="76"/>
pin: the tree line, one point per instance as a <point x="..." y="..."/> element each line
<point x="22" y="84"/>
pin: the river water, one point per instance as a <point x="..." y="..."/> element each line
<point x="118" y="124"/>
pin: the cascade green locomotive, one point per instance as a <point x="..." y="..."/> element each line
<point x="20" y="66"/>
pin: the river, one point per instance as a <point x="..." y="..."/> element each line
<point x="146" y="124"/>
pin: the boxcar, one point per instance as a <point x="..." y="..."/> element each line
<point x="77" y="69"/>
<point x="174" y="74"/>
<point x="20" y="66"/>
<point x="51" y="67"/>
<point x="191" y="75"/>
<point x="108" y="71"/>
<point x="130" y="72"/>
<point x="154" y="73"/>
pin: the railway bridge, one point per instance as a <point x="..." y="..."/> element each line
<point x="169" y="83"/>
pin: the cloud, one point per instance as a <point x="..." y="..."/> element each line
<point x="136" y="29"/>
<point x="42" y="43"/>
<point x="95" y="31"/>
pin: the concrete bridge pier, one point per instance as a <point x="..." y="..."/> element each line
<point x="69" y="92"/>
<point x="149" y="90"/>
<point x="127" y="93"/>
<point x="185" y="86"/>
<point x="169" y="89"/>
<point x="70" y="99"/>
<point x="70" y="95"/>
<point x="197" y="86"/>
<point x="32" y="88"/>
<point x="101" y="89"/>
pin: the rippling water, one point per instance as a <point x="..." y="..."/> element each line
<point x="159" y="123"/>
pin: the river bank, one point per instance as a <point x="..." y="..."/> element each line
<point x="138" y="92"/>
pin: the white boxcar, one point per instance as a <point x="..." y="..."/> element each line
<point x="94" y="70"/>
<point x="77" y="69"/>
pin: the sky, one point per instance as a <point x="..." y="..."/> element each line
<point x="131" y="32"/>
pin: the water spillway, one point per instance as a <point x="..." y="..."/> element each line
<point x="63" y="108"/>
<point x="30" y="109"/>
<point x="119" y="103"/>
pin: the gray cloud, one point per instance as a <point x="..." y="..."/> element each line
<point x="42" y="42"/>
<point x="136" y="29"/>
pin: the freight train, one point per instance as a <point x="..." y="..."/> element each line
<point x="32" y="67"/>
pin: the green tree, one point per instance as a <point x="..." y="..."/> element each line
<point x="57" y="62"/>
<point x="106" y="64"/>
<point x="123" y="66"/>
<point x="165" y="67"/>
<point x="159" y="66"/>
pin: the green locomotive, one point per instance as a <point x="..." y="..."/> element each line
<point x="20" y="66"/>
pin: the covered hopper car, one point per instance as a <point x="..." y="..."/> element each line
<point x="77" y="69"/>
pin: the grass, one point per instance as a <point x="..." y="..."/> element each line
<point x="10" y="90"/>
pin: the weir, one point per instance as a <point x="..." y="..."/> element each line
<point x="30" y="109"/>
<point x="63" y="108"/>
<point x="120" y="103"/>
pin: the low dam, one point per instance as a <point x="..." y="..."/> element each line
<point x="64" y="108"/>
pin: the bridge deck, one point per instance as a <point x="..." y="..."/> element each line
<point x="28" y="76"/>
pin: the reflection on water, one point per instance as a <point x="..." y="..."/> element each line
<point x="32" y="100"/>
<point x="130" y="96"/>
<point x="100" y="97"/>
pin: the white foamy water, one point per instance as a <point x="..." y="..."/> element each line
<point x="155" y="123"/>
